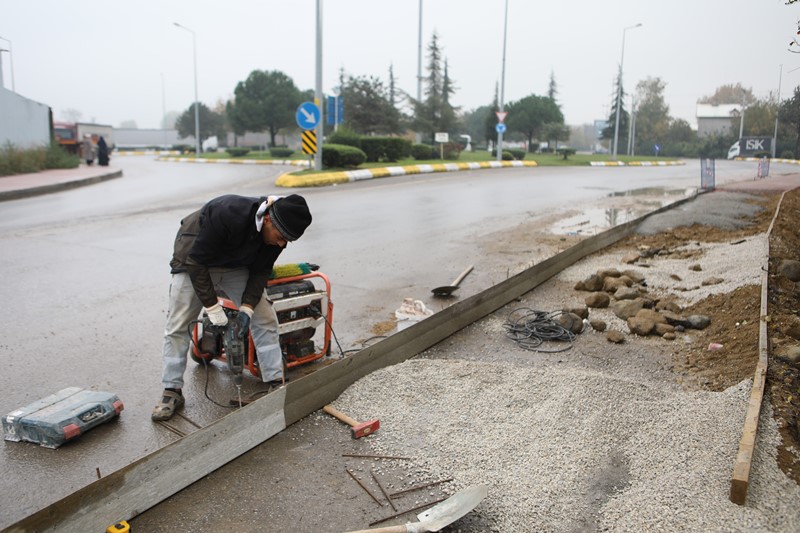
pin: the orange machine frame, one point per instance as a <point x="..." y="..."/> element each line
<point x="251" y="362"/>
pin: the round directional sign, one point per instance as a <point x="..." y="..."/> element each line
<point x="500" y="128"/>
<point x="307" y="115"/>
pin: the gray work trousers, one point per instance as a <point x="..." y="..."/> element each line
<point x="185" y="306"/>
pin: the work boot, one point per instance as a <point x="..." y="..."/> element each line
<point x="170" y="402"/>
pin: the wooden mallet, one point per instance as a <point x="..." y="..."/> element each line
<point x="357" y="429"/>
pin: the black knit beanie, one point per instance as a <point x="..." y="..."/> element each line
<point x="291" y="216"/>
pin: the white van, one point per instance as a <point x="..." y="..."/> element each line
<point x="733" y="151"/>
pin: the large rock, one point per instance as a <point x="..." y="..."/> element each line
<point x="615" y="336"/>
<point x="635" y="276"/>
<point x="626" y="293"/>
<point x="582" y="312"/>
<point x="711" y="281"/>
<point x="698" y="321"/>
<point x="641" y="325"/>
<point x="608" y="273"/>
<point x="668" y="305"/>
<point x="663" y="329"/>
<point x="679" y="321"/>
<point x="593" y="283"/>
<point x="793" y="327"/>
<point x="627" y="308"/>
<point x="570" y="322"/>
<point x="598" y="325"/>
<point x="597" y="300"/>
<point x="789" y="268"/>
<point x="611" y="285"/>
<point x="654" y="316"/>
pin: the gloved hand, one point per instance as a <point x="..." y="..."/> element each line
<point x="217" y="314"/>
<point x="243" y="319"/>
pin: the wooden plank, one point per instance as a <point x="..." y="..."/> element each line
<point x="740" y="479"/>
<point x="148" y="481"/>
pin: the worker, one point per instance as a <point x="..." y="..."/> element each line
<point x="229" y="245"/>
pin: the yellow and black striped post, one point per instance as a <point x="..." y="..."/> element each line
<point x="309" y="141"/>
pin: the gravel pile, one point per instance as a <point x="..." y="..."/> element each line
<point x="562" y="448"/>
<point x="596" y="439"/>
<point x="735" y="263"/>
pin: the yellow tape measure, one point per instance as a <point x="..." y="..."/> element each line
<point x="119" y="527"/>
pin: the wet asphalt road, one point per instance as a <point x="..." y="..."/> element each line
<point x="85" y="278"/>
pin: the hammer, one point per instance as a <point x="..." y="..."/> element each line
<point x="358" y="430"/>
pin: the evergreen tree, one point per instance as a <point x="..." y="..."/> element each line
<point x="552" y="90"/>
<point x="624" y="118"/>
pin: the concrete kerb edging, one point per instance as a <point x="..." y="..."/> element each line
<point x="636" y="163"/>
<point x="55" y="187"/>
<point x="332" y="178"/>
<point x="146" y="482"/>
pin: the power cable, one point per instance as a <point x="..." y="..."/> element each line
<point x="530" y="328"/>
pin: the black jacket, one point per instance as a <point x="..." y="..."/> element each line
<point x="223" y="234"/>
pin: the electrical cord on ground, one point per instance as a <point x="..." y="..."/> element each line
<point x="530" y="328"/>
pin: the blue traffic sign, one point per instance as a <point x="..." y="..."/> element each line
<point x="500" y="128"/>
<point x="335" y="110"/>
<point x="307" y="115"/>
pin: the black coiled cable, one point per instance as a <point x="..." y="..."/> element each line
<point x="530" y="328"/>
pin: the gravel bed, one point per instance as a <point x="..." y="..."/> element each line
<point x="566" y="449"/>
<point x="600" y="438"/>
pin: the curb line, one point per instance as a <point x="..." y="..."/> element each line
<point x="289" y="162"/>
<point x="636" y="163"/>
<point x="55" y="187"/>
<point x="333" y="178"/>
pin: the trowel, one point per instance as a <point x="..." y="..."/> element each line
<point x="440" y="515"/>
<point x="447" y="290"/>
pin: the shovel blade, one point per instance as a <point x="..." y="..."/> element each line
<point x="453" y="508"/>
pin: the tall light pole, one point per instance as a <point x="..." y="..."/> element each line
<point x="318" y="90"/>
<point x="11" y="60"/>
<point x="777" y="112"/>
<point x="419" y="66"/>
<point x="619" y="91"/>
<point x="502" y="84"/>
<point x="196" y="101"/>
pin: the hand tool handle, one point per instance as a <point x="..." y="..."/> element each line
<point x="463" y="275"/>
<point x="388" y="529"/>
<point x="341" y="416"/>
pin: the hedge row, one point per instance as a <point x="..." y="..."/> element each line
<point x="342" y="156"/>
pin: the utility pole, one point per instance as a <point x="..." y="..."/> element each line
<point x="502" y="85"/>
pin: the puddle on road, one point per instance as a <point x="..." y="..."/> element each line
<point x="617" y="208"/>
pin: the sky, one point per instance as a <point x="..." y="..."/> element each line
<point x="127" y="61"/>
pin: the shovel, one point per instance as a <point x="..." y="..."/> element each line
<point x="440" y="515"/>
<point x="447" y="290"/>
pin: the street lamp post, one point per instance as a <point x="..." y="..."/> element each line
<point x="619" y="90"/>
<point x="777" y="112"/>
<point x="418" y="135"/>
<point x="196" y="101"/>
<point x="11" y="60"/>
<point x="499" y="148"/>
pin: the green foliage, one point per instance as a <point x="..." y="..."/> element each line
<point x="716" y="146"/>
<point x="235" y="151"/>
<point x="211" y="123"/>
<point x="787" y="154"/>
<point x="507" y="156"/>
<point x="346" y="136"/>
<point x="422" y="152"/>
<point x="342" y="156"/>
<point x="516" y="153"/>
<point x="531" y="114"/>
<point x="265" y="101"/>
<point x="279" y="151"/>
<point x="451" y="151"/>
<point x="435" y="113"/>
<point x="533" y="147"/>
<point x="183" y="148"/>
<point x="369" y="109"/>
<point x="14" y="160"/>
<point x="387" y="149"/>
<point x="566" y="152"/>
